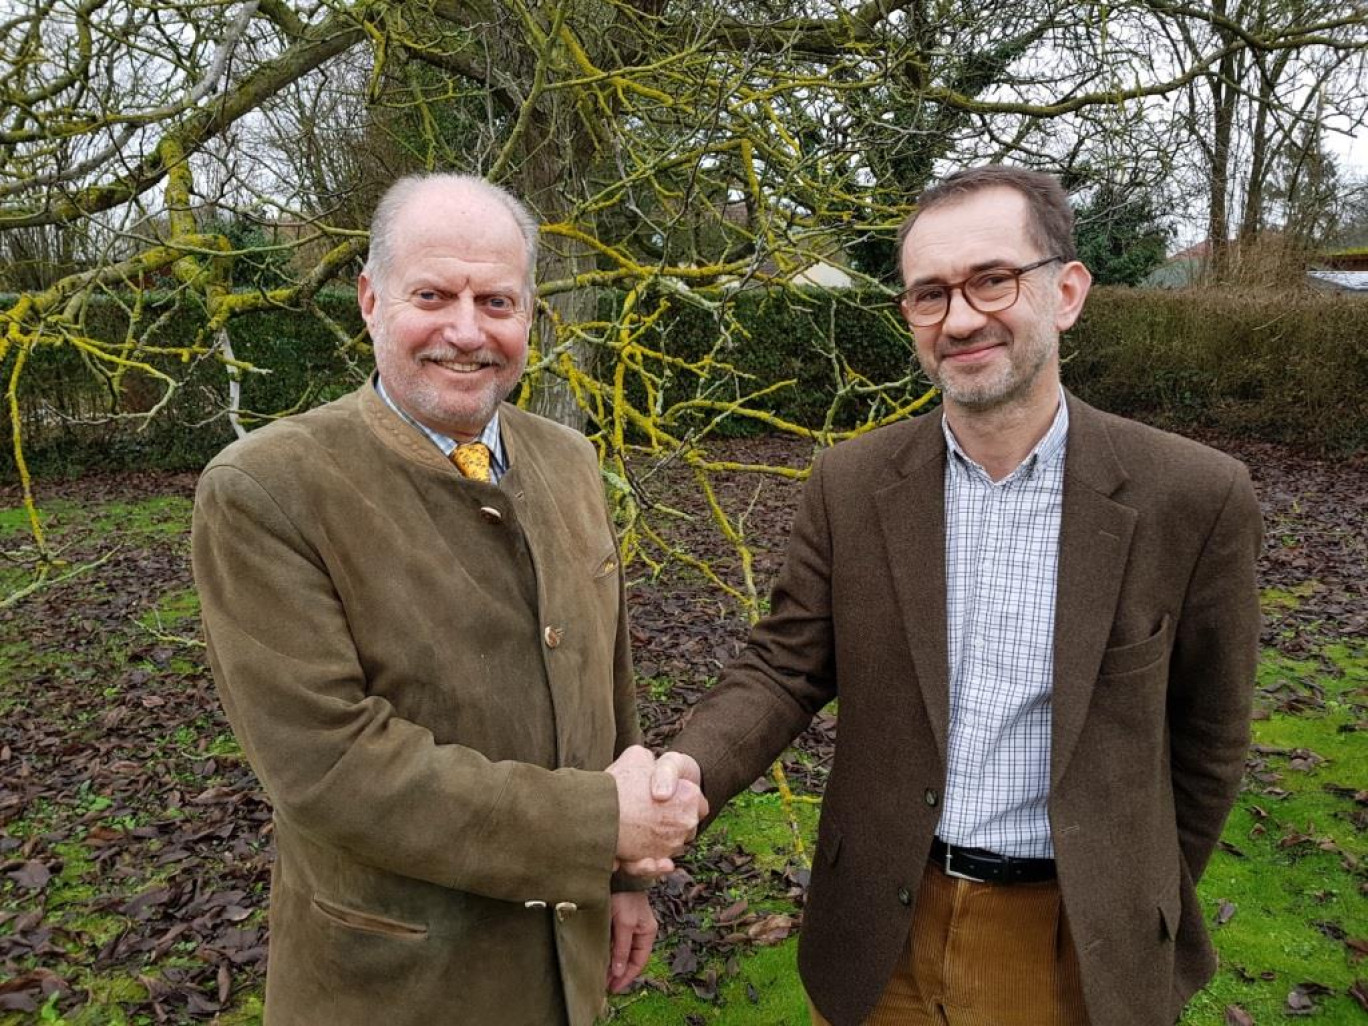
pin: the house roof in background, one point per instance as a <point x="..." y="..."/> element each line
<point x="1346" y="281"/>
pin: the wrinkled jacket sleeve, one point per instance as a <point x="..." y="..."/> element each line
<point x="785" y="674"/>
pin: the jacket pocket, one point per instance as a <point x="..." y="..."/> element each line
<point x="1170" y="912"/>
<point x="1138" y="655"/>
<point x="829" y="844"/>
<point x="607" y="566"/>
<point x="367" y="922"/>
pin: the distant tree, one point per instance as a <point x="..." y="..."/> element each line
<point x="1121" y="237"/>
<point x="1306" y="187"/>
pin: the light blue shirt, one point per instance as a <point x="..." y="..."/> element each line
<point x="490" y="435"/>
<point x="1002" y="565"/>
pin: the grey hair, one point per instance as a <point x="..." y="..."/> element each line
<point x="380" y="259"/>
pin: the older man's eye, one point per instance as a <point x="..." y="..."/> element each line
<point x="427" y="296"/>
<point x="500" y="303"/>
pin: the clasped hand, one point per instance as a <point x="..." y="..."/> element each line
<point x="660" y="803"/>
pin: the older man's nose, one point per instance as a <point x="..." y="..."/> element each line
<point x="462" y="326"/>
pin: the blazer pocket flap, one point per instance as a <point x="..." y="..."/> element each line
<point x="1171" y="912"/>
<point x="367" y="921"/>
<point x="829" y="845"/>
<point x="1137" y="655"/>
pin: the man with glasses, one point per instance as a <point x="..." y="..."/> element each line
<point x="1041" y="622"/>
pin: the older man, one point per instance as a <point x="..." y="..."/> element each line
<point x="414" y="611"/>
<point x="1041" y="621"/>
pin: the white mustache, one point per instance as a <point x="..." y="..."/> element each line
<point x="465" y="360"/>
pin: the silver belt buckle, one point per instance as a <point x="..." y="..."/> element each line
<point x="949" y="853"/>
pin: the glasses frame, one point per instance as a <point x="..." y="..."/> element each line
<point x="960" y="286"/>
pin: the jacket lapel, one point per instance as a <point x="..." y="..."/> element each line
<point x="911" y="513"/>
<point x="1094" y="543"/>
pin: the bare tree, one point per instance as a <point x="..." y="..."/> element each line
<point x="674" y="152"/>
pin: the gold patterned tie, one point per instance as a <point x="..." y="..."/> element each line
<point x="472" y="460"/>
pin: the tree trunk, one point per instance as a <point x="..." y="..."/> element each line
<point x="550" y="175"/>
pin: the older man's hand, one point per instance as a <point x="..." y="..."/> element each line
<point x="652" y="826"/>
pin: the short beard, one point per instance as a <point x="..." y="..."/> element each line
<point x="1029" y="355"/>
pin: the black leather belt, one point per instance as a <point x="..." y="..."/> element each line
<point x="987" y="867"/>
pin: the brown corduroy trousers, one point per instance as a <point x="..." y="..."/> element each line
<point x="983" y="955"/>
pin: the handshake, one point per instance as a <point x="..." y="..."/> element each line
<point x="660" y="803"/>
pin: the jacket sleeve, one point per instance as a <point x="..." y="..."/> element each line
<point x="1211" y="682"/>
<point x="339" y="764"/>
<point x="785" y="674"/>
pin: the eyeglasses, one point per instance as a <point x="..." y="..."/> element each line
<point x="990" y="291"/>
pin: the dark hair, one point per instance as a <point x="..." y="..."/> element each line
<point x="1050" y="218"/>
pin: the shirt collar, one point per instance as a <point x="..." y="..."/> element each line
<point x="1048" y="449"/>
<point x="490" y="436"/>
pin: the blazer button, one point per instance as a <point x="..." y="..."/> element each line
<point x="534" y="903"/>
<point x="564" y="910"/>
<point x="904" y="895"/>
<point x="931" y="796"/>
<point x="553" y="636"/>
<point x="491" y="515"/>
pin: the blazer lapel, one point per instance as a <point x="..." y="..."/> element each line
<point x="1094" y="542"/>
<point x="911" y="513"/>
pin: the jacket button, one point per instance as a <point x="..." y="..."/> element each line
<point x="534" y="903"/>
<point x="931" y="796"/>
<point x="904" y="895"/>
<point x="553" y="636"/>
<point x="491" y="515"/>
<point x="564" y="910"/>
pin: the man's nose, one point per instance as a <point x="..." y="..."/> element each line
<point x="462" y="325"/>
<point x="961" y="319"/>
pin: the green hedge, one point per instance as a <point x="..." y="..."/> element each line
<point x="1291" y="367"/>
<point x="816" y="339"/>
<point x="65" y="403"/>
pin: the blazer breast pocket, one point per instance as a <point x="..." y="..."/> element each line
<point x="1137" y="656"/>
<point x="606" y="567"/>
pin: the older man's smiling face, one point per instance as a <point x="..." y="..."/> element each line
<point x="450" y="317"/>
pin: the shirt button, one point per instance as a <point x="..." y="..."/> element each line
<point x="553" y="636"/>
<point x="491" y="515"/>
<point x="931" y="796"/>
<point x="904" y="895"/>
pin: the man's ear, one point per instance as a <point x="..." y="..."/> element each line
<point x="365" y="296"/>
<point x="1073" y="284"/>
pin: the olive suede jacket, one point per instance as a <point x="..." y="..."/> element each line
<point x="427" y="674"/>
<point x="1156" y="632"/>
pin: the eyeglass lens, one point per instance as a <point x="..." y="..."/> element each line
<point x="986" y="292"/>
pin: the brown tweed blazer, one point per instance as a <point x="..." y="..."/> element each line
<point x="1155" y="644"/>
<point x="427" y="674"/>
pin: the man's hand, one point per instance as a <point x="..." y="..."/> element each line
<point x="653" y="827"/>
<point x="634" y="931"/>
<point x="671" y="769"/>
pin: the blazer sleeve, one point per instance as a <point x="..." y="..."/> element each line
<point x="1211" y="683"/>
<point x="785" y="674"/>
<point x="340" y="764"/>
